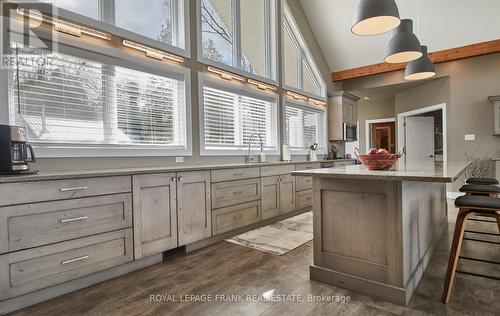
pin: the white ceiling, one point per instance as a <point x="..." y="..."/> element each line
<point x="439" y="24"/>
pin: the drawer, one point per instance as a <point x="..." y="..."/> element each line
<point x="33" y="269"/>
<point x="276" y="170"/>
<point x="234" y="174"/>
<point x="235" y="192"/>
<point x="303" y="183"/>
<point x="32" y="225"/>
<point x="40" y="191"/>
<point x="229" y="218"/>
<point x="304" y="199"/>
<point x="307" y="166"/>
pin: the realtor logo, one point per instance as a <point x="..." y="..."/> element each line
<point x="26" y="28"/>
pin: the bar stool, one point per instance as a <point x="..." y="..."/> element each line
<point x="469" y="205"/>
<point x="480" y="189"/>
<point x="482" y="181"/>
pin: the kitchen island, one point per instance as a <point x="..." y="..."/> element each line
<point x="375" y="231"/>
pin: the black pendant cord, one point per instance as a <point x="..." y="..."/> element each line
<point x="18" y="81"/>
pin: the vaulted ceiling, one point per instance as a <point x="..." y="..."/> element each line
<point x="439" y="24"/>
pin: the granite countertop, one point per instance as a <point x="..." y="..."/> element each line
<point x="421" y="172"/>
<point x="142" y="170"/>
<point x="496" y="159"/>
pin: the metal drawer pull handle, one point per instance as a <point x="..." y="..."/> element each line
<point x="76" y="219"/>
<point x="238" y="174"/>
<point x="237" y="192"/>
<point x="309" y="198"/>
<point x="74" y="260"/>
<point x="238" y="216"/>
<point x="73" y="189"/>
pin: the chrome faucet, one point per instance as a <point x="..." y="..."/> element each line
<point x="251" y="158"/>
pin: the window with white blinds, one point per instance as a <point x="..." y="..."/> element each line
<point x="71" y="100"/>
<point x="230" y="118"/>
<point x="304" y="127"/>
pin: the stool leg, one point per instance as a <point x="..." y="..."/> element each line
<point x="458" y="236"/>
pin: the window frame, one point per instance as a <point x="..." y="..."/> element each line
<point x="205" y="79"/>
<point x="271" y="43"/>
<point x="106" y="23"/>
<point x="323" y="142"/>
<point x="115" y="57"/>
<point x="290" y="25"/>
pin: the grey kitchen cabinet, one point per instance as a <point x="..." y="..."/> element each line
<point x="155" y="213"/>
<point x="287" y="194"/>
<point x="342" y="109"/>
<point x="232" y="217"/>
<point x="270" y="197"/>
<point x="29" y="270"/>
<point x="278" y="195"/>
<point x="194" y="212"/>
<point x="36" y="224"/>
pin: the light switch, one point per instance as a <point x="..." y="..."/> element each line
<point x="179" y="159"/>
<point x="470" y="137"/>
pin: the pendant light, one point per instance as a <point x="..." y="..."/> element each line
<point x="403" y="46"/>
<point x="375" y="17"/>
<point x="421" y="68"/>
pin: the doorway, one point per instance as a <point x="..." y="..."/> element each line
<point x="381" y="133"/>
<point x="423" y="133"/>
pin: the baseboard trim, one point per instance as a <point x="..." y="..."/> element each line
<point x="19" y="302"/>
<point x="383" y="291"/>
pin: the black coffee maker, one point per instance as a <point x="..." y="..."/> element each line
<point x="14" y="149"/>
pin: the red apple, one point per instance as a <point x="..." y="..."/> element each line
<point x="372" y="151"/>
<point x="382" y="151"/>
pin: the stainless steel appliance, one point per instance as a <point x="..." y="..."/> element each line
<point x="14" y="148"/>
<point x="350" y="132"/>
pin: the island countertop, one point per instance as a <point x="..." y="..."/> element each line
<point x="422" y="172"/>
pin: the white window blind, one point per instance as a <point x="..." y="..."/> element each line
<point x="304" y="127"/>
<point x="71" y="100"/>
<point x="231" y="118"/>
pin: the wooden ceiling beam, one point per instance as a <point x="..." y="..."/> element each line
<point x="442" y="56"/>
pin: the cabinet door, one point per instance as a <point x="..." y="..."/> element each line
<point x="354" y="112"/>
<point x="155" y="215"/>
<point x="193" y="206"/>
<point x="270" y="197"/>
<point x="287" y="193"/>
<point x="345" y="110"/>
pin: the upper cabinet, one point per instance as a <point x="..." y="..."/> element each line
<point x="342" y="109"/>
<point x="496" y="116"/>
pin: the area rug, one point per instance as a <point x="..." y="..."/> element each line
<point x="280" y="237"/>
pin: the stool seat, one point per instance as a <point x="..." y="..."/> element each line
<point x="477" y="188"/>
<point x="482" y="181"/>
<point x="477" y="202"/>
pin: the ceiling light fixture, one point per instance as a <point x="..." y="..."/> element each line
<point x="262" y="85"/>
<point x="63" y="26"/>
<point x="151" y="52"/>
<point x="421" y="68"/>
<point x="403" y="46"/>
<point x="375" y="17"/>
<point x="225" y="75"/>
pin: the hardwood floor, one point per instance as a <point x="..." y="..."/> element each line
<point x="228" y="269"/>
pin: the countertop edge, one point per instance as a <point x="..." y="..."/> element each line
<point x="145" y="170"/>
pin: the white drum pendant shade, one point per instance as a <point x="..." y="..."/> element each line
<point x="421" y="68"/>
<point x="375" y="17"/>
<point x="403" y="46"/>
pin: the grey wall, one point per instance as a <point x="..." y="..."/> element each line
<point x="371" y="110"/>
<point x="57" y="164"/>
<point x="465" y="87"/>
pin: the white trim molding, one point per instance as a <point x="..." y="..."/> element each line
<point x="401" y="128"/>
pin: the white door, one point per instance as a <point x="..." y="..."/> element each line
<point x="419" y="133"/>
